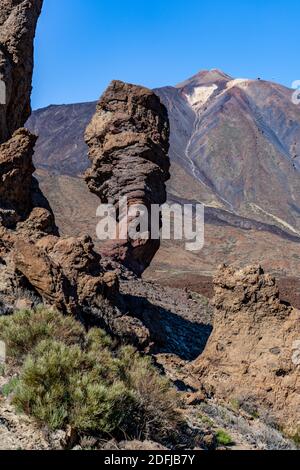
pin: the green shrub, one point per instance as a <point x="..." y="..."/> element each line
<point x="60" y="385"/>
<point x="155" y="400"/>
<point x="91" y="386"/>
<point x="25" y="329"/>
<point x="296" y="438"/>
<point x="9" y="387"/>
<point x="223" y="438"/>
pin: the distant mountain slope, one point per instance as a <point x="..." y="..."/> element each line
<point x="242" y="144"/>
<point x="235" y="146"/>
<point x="61" y="148"/>
<point x="238" y="140"/>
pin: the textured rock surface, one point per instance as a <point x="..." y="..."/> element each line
<point x="18" y="20"/>
<point x="19" y="432"/>
<point x="36" y="265"/>
<point x="128" y="139"/>
<point x="249" y="358"/>
<point x="19" y="191"/>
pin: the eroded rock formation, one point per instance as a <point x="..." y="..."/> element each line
<point x="250" y="357"/>
<point x="18" y="20"/>
<point x="36" y="264"/>
<point x="20" y="197"/>
<point x="64" y="273"/>
<point x="129" y="142"/>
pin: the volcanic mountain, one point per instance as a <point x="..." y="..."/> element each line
<point x="235" y="146"/>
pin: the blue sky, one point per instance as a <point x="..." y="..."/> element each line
<point x="81" y="45"/>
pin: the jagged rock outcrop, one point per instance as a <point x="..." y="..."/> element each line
<point x="18" y="20"/>
<point x="36" y="264"/>
<point x="250" y="357"/>
<point x="19" y="190"/>
<point x="128" y="139"/>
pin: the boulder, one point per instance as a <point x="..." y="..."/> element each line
<point x="20" y="196"/>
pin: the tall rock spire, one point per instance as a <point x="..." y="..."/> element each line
<point x="129" y="143"/>
<point x="18" y="19"/>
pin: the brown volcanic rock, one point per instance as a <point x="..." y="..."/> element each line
<point x="249" y="358"/>
<point x="67" y="274"/>
<point x="20" y="197"/>
<point x="36" y="265"/>
<point x="19" y="191"/>
<point x="18" y="20"/>
<point x="16" y="171"/>
<point x="128" y="139"/>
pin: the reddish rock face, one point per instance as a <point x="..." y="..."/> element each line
<point x="250" y="357"/>
<point x="128" y="139"/>
<point x="19" y="192"/>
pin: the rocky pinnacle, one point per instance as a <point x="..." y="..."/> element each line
<point x="18" y="19"/>
<point x="128" y="139"/>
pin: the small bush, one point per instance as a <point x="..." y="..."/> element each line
<point x="155" y="401"/>
<point x="25" y="329"/>
<point x="10" y="387"/>
<point x="60" y="385"/>
<point x="296" y="438"/>
<point x="206" y="420"/>
<point x="223" y="438"/>
<point x="91" y="386"/>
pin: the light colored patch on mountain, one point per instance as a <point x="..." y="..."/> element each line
<point x="241" y="82"/>
<point x="201" y="95"/>
<point x="277" y="219"/>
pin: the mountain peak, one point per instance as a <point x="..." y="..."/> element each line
<point x="204" y="77"/>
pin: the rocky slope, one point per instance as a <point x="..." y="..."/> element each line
<point x="240" y="140"/>
<point x="174" y="316"/>
<point x="61" y="148"/>
<point x="255" y="335"/>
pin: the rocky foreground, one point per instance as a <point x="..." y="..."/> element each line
<point x="174" y="317"/>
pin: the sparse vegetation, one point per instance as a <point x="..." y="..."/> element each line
<point x="70" y="377"/>
<point x="206" y="420"/>
<point x="223" y="438"/>
<point x="24" y="330"/>
<point x="296" y="438"/>
<point x="9" y="388"/>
